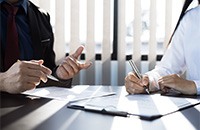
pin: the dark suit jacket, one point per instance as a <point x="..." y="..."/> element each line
<point x="43" y="40"/>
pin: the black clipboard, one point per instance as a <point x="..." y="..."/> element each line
<point x="95" y="106"/>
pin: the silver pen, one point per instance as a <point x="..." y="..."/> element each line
<point x="48" y="76"/>
<point x="135" y="69"/>
<point x="52" y="77"/>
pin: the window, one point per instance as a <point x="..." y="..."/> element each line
<point x="138" y="29"/>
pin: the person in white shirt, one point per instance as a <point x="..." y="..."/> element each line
<point x="182" y="56"/>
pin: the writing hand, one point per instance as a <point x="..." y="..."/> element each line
<point x="134" y="85"/>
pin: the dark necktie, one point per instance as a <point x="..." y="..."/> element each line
<point x="12" y="47"/>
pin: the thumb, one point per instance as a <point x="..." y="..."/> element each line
<point x="78" y="52"/>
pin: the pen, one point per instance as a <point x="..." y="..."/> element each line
<point x="52" y="77"/>
<point x="49" y="76"/>
<point x="134" y="67"/>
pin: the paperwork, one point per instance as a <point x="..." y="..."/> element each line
<point x="76" y="93"/>
<point x="147" y="107"/>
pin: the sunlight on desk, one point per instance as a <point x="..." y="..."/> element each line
<point x="70" y="120"/>
<point x="151" y="105"/>
<point x="168" y="120"/>
<point x="122" y="123"/>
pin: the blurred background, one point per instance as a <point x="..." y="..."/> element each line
<point x="113" y="32"/>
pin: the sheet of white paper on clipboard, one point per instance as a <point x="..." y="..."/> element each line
<point x="148" y="107"/>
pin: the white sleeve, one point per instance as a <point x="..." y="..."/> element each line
<point x="197" y="83"/>
<point x="173" y="60"/>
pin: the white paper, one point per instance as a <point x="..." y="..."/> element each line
<point x="70" y="94"/>
<point x="146" y="105"/>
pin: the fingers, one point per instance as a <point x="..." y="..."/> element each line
<point x="78" y="52"/>
<point x="174" y="83"/>
<point x="38" y="65"/>
<point x="145" y="80"/>
<point x="169" y="82"/>
<point x="163" y="88"/>
<point x="133" y="84"/>
<point x="71" y="65"/>
<point x="33" y="80"/>
<point x="62" y="73"/>
<point x="74" y="57"/>
<point x="162" y="84"/>
<point x="77" y="64"/>
<point x="35" y="69"/>
<point x="30" y="83"/>
<point x="40" y="62"/>
<point x="68" y="68"/>
<point x="25" y="75"/>
<point x="85" y="65"/>
<point x="37" y="74"/>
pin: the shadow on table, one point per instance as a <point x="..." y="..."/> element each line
<point x="15" y="106"/>
<point x="193" y="116"/>
<point x="70" y="119"/>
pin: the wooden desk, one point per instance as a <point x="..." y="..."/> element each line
<point x="18" y="112"/>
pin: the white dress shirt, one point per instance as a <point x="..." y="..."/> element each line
<point x="183" y="53"/>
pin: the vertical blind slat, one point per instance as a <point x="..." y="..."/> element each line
<point x="90" y="44"/>
<point x="106" y="55"/>
<point x="168" y="22"/>
<point x="59" y="45"/>
<point x="74" y="29"/>
<point x="152" y="40"/>
<point x="121" y="42"/>
<point x="137" y="29"/>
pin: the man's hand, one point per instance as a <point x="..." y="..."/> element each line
<point x="71" y="66"/>
<point x="23" y="75"/>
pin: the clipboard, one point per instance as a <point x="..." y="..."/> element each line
<point x="149" y="107"/>
<point x="111" y="112"/>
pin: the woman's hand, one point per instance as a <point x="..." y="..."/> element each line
<point x="176" y="82"/>
<point x="134" y="85"/>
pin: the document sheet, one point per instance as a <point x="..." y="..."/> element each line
<point x="148" y="106"/>
<point x="76" y="93"/>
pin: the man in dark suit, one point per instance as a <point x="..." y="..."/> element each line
<point x="34" y="58"/>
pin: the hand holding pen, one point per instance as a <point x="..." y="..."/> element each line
<point x="133" y="81"/>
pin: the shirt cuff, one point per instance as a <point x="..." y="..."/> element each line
<point x="197" y="83"/>
<point x="67" y="82"/>
<point x="153" y="83"/>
